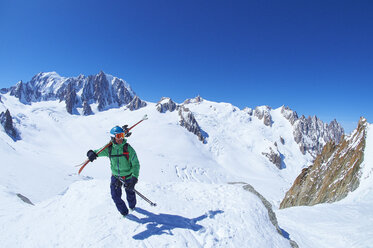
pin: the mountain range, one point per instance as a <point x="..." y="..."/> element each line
<point x="51" y="121"/>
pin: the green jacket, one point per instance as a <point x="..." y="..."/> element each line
<point x="120" y="165"/>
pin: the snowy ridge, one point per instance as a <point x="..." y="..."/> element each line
<point x="201" y="215"/>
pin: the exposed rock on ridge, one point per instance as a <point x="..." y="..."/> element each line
<point x="268" y="206"/>
<point x="274" y="157"/>
<point x="263" y="112"/>
<point x="335" y="172"/>
<point x="312" y="134"/>
<point x="7" y="122"/>
<point x="136" y="104"/>
<point x="166" y="104"/>
<point x="188" y="121"/>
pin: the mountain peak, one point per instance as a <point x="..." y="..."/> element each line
<point x="102" y="88"/>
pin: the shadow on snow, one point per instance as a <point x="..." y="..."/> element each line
<point x="158" y="224"/>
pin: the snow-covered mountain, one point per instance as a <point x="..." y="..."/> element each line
<point x="264" y="147"/>
<point x="102" y="90"/>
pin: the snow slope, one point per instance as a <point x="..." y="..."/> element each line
<point x="188" y="215"/>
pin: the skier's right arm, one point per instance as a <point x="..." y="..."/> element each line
<point x="104" y="153"/>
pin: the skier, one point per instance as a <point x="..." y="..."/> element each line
<point x="125" y="168"/>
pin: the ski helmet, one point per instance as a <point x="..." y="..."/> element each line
<point x="115" y="130"/>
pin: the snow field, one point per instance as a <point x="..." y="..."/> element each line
<point x="196" y="208"/>
<point x="187" y="215"/>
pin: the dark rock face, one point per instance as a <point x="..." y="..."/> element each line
<point x="87" y="109"/>
<point x="24" y="199"/>
<point x="70" y="99"/>
<point x="188" y="121"/>
<point x="136" y="104"/>
<point x="7" y="122"/>
<point x="274" y="157"/>
<point x="335" y="172"/>
<point x="105" y="90"/>
<point x="268" y="206"/>
<point x="166" y="104"/>
<point x="311" y="133"/>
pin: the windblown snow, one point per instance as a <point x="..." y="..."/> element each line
<point x="196" y="207"/>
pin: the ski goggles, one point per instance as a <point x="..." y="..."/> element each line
<point x="119" y="136"/>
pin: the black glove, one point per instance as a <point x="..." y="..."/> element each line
<point x="91" y="155"/>
<point x="131" y="183"/>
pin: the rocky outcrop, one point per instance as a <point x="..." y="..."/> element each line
<point x="335" y="172"/>
<point x="271" y="213"/>
<point x="263" y="112"/>
<point x="289" y="114"/>
<point x="22" y="92"/>
<point x="70" y="99"/>
<point x="197" y="99"/>
<point x="274" y="157"/>
<point x="6" y="121"/>
<point x="103" y="89"/>
<point x="166" y="104"/>
<point x="188" y="121"/>
<point x="24" y="199"/>
<point x="87" y="109"/>
<point x="311" y="133"/>
<point x="136" y="104"/>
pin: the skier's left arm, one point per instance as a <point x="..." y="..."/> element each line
<point x="134" y="162"/>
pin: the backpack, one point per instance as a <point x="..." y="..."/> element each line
<point x="125" y="152"/>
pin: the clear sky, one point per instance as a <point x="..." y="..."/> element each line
<point x="314" y="56"/>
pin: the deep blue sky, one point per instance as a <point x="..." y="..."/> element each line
<point x="314" y="56"/>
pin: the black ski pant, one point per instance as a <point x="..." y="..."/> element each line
<point x="116" y="195"/>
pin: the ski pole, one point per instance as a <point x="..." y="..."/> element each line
<point x="138" y="193"/>
<point x="108" y="144"/>
<point x="146" y="199"/>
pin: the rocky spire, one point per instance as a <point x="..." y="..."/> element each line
<point x="311" y="133"/>
<point x="87" y="109"/>
<point x="7" y="122"/>
<point x="70" y="99"/>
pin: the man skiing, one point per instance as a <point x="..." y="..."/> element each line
<point x="125" y="168"/>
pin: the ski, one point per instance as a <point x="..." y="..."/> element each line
<point x="145" y="117"/>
